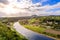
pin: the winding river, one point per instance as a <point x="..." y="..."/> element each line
<point x="30" y="35"/>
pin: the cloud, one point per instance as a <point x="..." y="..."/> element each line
<point x="48" y="7"/>
<point x="2" y="14"/>
<point x="43" y="10"/>
<point x="4" y="1"/>
<point x="27" y="8"/>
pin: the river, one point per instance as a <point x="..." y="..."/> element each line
<point x="30" y="35"/>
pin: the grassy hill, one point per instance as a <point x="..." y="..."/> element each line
<point x="7" y="34"/>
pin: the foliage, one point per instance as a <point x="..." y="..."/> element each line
<point x="7" y="34"/>
<point x="32" y="20"/>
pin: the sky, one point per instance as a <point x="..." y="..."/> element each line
<point x="45" y="2"/>
<point x="29" y="7"/>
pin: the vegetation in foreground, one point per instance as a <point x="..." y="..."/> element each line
<point x="7" y="34"/>
<point x="48" y="25"/>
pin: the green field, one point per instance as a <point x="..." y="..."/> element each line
<point x="35" y="28"/>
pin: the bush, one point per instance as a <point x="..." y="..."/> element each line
<point x="58" y="36"/>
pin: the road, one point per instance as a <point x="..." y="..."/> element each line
<point x="30" y="35"/>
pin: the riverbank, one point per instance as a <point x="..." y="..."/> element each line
<point x="30" y="35"/>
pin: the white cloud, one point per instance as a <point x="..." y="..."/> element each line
<point x="43" y="9"/>
<point x="4" y="1"/>
<point x="26" y="7"/>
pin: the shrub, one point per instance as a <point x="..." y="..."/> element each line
<point x="58" y="36"/>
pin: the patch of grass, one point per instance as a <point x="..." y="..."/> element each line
<point x="35" y="28"/>
<point x="32" y="20"/>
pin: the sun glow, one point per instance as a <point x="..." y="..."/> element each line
<point x="9" y="9"/>
<point x="14" y="7"/>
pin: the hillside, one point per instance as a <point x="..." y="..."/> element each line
<point x="7" y="34"/>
